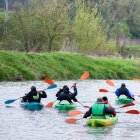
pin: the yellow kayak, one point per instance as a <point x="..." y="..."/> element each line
<point x="101" y="122"/>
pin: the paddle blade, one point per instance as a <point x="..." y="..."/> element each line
<point x="49" y="81"/>
<point x="85" y="75"/>
<point x="74" y="113"/>
<point x="10" y="101"/>
<point x="49" y="105"/>
<point x="109" y="82"/>
<point x="136" y="79"/>
<point x="133" y="112"/>
<point x="71" y="120"/>
<point x="103" y="90"/>
<point x="52" y="86"/>
<point x="127" y="105"/>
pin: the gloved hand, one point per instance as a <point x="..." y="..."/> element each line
<point x="74" y="99"/>
<point x="74" y="85"/>
<point x="61" y="90"/>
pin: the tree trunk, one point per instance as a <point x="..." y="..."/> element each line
<point x="5" y="17"/>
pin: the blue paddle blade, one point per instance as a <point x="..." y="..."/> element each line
<point x="10" y="101"/>
<point x="52" y="86"/>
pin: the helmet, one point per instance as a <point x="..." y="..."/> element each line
<point x="66" y="89"/>
<point x="123" y="85"/>
<point x="33" y="88"/>
<point x="105" y="98"/>
<point x="100" y="100"/>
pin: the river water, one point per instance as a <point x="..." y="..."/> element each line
<point x="49" y="124"/>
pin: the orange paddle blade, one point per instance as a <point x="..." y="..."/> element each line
<point x="109" y="82"/>
<point x="71" y="120"/>
<point x="136" y="79"/>
<point x="103" y="90"/>
<point x="49" y="105"/>
<point x="133" y="112"/>
<point x="74" y="113"/>
<point x="49" y="81"/>
<point x="127" y="105"/>
<point x="85" y="75"/>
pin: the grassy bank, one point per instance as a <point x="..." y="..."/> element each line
<point x="16" y="66"/>
<point x="133" y="50"/>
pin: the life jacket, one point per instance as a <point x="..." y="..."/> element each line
<point x="98" y="111"/>
<point x="36" y="97"/>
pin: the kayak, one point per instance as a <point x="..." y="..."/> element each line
<point x="101" y="122"/>
<point x="124" y="100"/>
<point x="31" y="106"/>
<point x="65" y="106"/>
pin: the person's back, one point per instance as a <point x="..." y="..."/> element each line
<point x="34" y="95"/>
<point x="98" y="110"/>
<point x="64" y="94"/>
<point x="123" y="91"/>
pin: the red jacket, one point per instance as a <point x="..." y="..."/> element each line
<point x="114" y="113"/>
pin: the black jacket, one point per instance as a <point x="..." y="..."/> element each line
<point x="29" y="97"/>
<point x="61" y="95"/>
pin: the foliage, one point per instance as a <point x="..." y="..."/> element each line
<point x="90" y="36"/>
<point x="38" y="27"/>
<point x="15" y="66"/>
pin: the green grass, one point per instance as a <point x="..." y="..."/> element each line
<point x="133" y="50"/>
<point x="16" y="66"/>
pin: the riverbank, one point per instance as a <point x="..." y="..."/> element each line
<point x="17" y="66"/>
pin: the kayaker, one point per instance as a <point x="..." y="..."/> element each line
<point x="34" y="95"/>
<point x="65" y="94"/>
<point x="124" y="91"/>
<point x="99" y="109"/>
<point x="105" y="99"/>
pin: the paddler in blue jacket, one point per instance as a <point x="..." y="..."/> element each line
<point x="65" y="94"/>
<point x="99" y="110"/>
<point x="34" y="95"/>
<point x="124" y="91"/>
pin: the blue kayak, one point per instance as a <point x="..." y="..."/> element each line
<point x="31" y="106"/>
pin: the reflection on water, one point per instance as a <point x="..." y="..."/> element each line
<point x="49" y="124"/>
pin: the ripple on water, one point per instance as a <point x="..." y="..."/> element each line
<point x="48" y="124"/>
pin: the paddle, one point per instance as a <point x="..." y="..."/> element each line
<point x="77" y="112"/>
<point x="49" y="81"/>
<point x="131" y="112"/>
<point x="72" y="120"/>
<point x="126" y="105"/>
<point x="50" y="104"/>
<point x="74" y="113"/>
<point x="84" y="76"/>
<point x="136" y="79"/>
<point x="109" y="82"/>
<point x="13" y="100"/>
<point x="104" y="90"/>
<point x="83" y="105"/>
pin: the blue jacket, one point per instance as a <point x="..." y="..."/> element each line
<point x="123" y="91"/>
